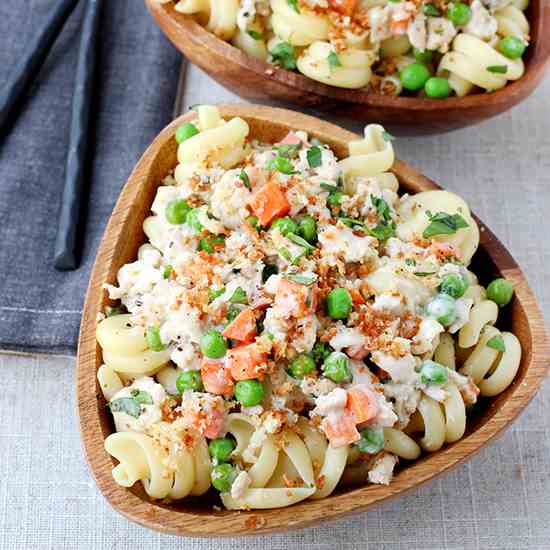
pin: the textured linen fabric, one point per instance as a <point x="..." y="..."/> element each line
<point x="136" y="82"/>
<point x="498" y="500"/>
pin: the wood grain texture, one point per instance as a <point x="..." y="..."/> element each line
<point x="122" y="238"/>
<point x="257" y="80"/>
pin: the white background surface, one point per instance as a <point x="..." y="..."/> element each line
<point x="500" y="499"/>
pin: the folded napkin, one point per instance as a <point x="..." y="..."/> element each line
<point x="40" y="308"/>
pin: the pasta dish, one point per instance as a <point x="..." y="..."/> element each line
<point x="294" y="324"/>
<point x="428" y="48"/>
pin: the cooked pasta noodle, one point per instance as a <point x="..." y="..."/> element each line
<point x="386" y="46"/>
<point x="225" y="368"/>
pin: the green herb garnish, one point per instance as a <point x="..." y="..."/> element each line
<point x="498" y="69"/>
<point x="284" y="55"/>
<point x="314" y="157"/>
<point x="497" y="342"/>
<point x="443" y="224"/>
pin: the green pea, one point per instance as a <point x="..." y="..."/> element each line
<point x="254" y="222"/>
<point x="301" y="365"/>
<point x="433" y="373"/>
<point x="335" y="198"/>
<point x="423" y="56"/>
<point x="500" y="291"/>
<point x="189" y="380"/>
<point x="153" y="339"/>
<point x="453" y="285"/>
<point x="372" y="440"/>
<point x="336" y="367"/>
<point x="339" y="303"/>
<point x="512" y="47"/>
<point x="320" y="351"/>
<point x="209" y="245"/>
<point x="285" y="225"/>
<point x="220" y="449"/>
<point x="249" y="392"/>
<point x="222" y="477"/>
<point x="437" y="87"/>
<point x="459" y="13"/>
<point x="185" y="132"/>
<point x="176" y="211"/>
<point x="307" y="228"/>
<point x="213" y="344"/>
<point x="414" y="76"/>
<point x="193" y="219"/>
<point x="442" y="308"/>
<point x="167" y="271"/>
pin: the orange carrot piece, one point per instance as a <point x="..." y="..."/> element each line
<point x="243" y="327"/>
<point x="214" y="423"/>
<point x="362" y="403"/>
<point x="294" y="299"/>
<point x="269" y="203"/>
<point x="356" y="296"/>
<point x="345" y="7"/>
<point x="215" y="378"/>
<point x="244" y="362"/>
<point x="340" y="429"/>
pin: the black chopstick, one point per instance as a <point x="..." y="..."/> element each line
<point x="29" y="65"/>
<point x="65" y="253"/>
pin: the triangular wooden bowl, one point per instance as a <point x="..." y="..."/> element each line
<point x="259" y="81"/>
<point x="120" y="242"/>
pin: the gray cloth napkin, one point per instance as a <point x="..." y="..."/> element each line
<point x="40" y="308"/>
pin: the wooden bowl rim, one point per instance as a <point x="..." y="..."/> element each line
<point x="230" y="523"/>
<point x="539" y="49"/>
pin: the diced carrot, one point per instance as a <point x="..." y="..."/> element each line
<point x="208" y="422"/>
<point x="215" y="378"/>
<point x="214" y="423"/>
<point x="362" y="403"/>
<point x="399" y="27"/>
<point x="356" y="296"/>
<point x="340" y="429"/>
<point x="246" y="362"/>
<point x="243" y="327"/>
<point x="290" y="139"/>
<point x="346" y="7"/>
<point x="295" y="300"/>
<point x="269" y="202"/>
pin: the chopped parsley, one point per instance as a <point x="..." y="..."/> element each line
<point x="442" y="223"/>
<point x="410" y="262"/>
<point x="497" y="342"/>
<point x="214" y="293"/>
<point x="289" y="151"/>
<point x="294" y="5"/>
<point x="498" y="69"/>
<point x="386" y="136"/>
<point x="131" y="405"/>
<point x="424" y="273"/>
<point x="328" y="187"/>
<point x="243" y="176"/>
<point x="333" y="60"/>
<point x="239" y="297"/>
<point x="301" y="278"/>
<point x="284" y="55"/>
<point x="296" y="239"/>
<point x="430" y="10"/>
<point x="255" y="34"/>
<point x="314" y="156"/>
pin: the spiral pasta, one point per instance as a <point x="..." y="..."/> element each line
<point x="221" y="15"/>
<point x="373" y="43"/>
<point x="350" y="69"/>
<point x="125" y="348"/>
<point x="230" y="371"/>
<point x="473" y="62"/>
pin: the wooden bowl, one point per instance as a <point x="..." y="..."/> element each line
<point x="120" y="242"/>
<point x="257" y="80"/>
